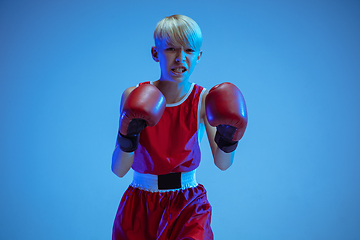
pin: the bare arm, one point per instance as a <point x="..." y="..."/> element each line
<point x="221" y="159"/>
<point x="122" y="161"/>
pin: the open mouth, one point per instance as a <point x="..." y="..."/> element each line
<point x="178" y="70"/>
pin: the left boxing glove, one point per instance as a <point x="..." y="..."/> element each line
<point x="226" y="110"/>
<point x="143" y="107"/>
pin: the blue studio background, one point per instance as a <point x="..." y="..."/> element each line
<point x="64" y="65"/>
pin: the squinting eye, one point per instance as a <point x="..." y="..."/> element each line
<point x="170" y="49"/>
<point x="190" y="50"/>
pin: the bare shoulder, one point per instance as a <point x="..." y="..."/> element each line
<point x="203" y="113"/>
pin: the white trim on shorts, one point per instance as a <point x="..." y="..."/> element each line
<point x="149" y="182"/>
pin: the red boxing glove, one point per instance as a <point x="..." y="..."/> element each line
<point x="143" y="107"/>
<point x="226" y="109"/>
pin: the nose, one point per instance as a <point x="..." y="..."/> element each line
<point x="181" y="56"/>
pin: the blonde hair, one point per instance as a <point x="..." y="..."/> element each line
<point x="178" y="30"/>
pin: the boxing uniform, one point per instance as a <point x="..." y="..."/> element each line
<point x="164" y="201"/>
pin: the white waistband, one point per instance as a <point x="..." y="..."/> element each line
<point x="149" y="182"/>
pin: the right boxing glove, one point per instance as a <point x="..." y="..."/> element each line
<point x="226" y="110"/>
<point x="143" y="107"/>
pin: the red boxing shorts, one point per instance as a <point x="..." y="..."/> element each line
<point x="175" y="214"/>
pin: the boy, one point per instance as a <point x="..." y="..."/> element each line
<point x="161" y="123"/>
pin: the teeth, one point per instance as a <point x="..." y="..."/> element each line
<point x="179" y="70"/>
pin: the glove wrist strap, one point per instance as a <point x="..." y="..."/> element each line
<point x="224" y="144"/>
<point x="128" y="143"/>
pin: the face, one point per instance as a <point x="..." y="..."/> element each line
<point x="176" y="61"/>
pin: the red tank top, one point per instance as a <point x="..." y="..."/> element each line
<point x="173" y="144"/>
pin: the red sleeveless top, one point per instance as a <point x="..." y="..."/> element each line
<point x="173" y="144"/>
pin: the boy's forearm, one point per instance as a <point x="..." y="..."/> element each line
<point x="121" y="162"/>
<point x="222" y="159"/>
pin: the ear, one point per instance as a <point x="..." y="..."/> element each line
<point x="199" y="57"/>
<point x="154" y="54"/>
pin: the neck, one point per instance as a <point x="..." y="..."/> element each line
<point x="173" y="91"/>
